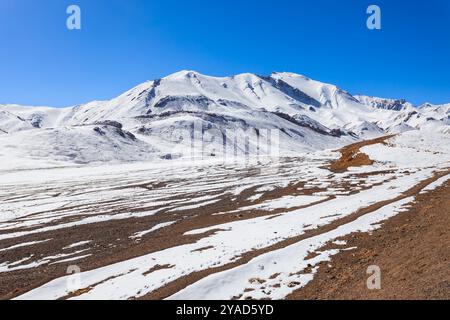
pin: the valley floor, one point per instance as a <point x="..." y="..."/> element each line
<point x="300" y="228"/>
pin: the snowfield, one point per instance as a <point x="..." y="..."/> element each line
<point x="142" y="196"/>
<point x="99" y="195"/>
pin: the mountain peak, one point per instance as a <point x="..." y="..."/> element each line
<point x="183" y="74"/>
<point x="290" y="75"/>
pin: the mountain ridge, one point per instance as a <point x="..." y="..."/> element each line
<point x="308" y="114"/>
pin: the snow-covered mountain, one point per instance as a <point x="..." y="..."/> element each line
<point x="157" y="119"/>
<point x="440" y="112"/>
<point x="388" y="104"/>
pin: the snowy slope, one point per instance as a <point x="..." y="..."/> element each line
<point x="307" y="115"/>
<point x="10" y="122"/>
<point x="439" y="112"/>
<point x="72" y="144"/>
<point x="388" y="104"/>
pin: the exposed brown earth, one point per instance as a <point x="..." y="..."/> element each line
<point x="183" y="282"/>
<point x="111" y="242"/>
<point x="353" y="157"/>
<point x="111" y="239"/>
<point x="412" y="250"/>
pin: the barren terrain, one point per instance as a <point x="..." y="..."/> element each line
<point x="303" y="227"/>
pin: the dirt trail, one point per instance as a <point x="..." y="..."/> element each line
<point x="183" y="282"/>
<point x="411" y="249"/>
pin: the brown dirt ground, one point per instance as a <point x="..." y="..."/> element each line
<point x="106" y="233"/>
<point x="353" y="157"/>
<point x="183" y="282"/>
<point x="111" y="242"/>
<point x="412" y="250"/>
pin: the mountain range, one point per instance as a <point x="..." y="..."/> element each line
<point x="156" y="119"/>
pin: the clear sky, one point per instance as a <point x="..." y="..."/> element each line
<point x="125" y="42"/>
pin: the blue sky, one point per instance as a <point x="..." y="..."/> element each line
<point x="123" y="43"/>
